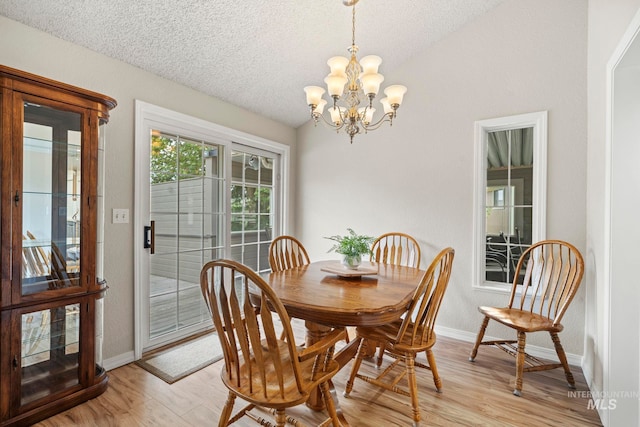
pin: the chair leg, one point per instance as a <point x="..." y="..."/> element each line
<point x="380" y="354"/>
<point x="483" y="327"/>
<point x="522" y="340"/>
<point x="356" y="366"/>
<point x="434" y="370"/>
<point x="226" y="411"/>
<point x="330" y="404"/>
<point x="563" y="359"/>
<point x="281" y="418"/>
<point x="413" y="388"/>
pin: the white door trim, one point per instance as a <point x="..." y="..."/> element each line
<point x="145" y="115"/>
<point x="611" y="315"/>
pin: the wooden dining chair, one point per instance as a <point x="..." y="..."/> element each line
<point x="42" y="258"/>
<point x="396" y="249"/>
<point x="32" y="264"/>
<point x="261" y="369"/>
<point x="405" y="338"/>
<point x="547" y="277"/>
<point x="287" y="252"/>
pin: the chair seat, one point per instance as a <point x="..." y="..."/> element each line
<point x="389" y="333"/>
<point x="291" y="395"/>
<point x="521" y="320"/>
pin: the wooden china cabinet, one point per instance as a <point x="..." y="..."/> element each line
<point x="51" y="214"/>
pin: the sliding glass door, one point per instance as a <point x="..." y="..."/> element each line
<point x="188" y="225"/>
<point x="203" y="192"/>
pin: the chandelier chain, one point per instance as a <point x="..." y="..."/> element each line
<point x="353" y="26"/>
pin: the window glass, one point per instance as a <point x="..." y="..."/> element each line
<point x="252" y="208"/>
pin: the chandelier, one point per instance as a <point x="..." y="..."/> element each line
<point x="353" y="82"/>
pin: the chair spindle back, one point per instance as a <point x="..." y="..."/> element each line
<point x="255" y="359"/>
<point x="396" y="249"/>
<point x="287" y="252"/>
<point x="552" y="272"/>
<point x="423" y="310"/>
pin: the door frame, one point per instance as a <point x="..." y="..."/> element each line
<point x="620" y="366"/>
<point x="146" y="115"/>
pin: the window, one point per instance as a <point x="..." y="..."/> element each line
<point x="510" y="163"/>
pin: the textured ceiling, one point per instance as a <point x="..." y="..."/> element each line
<point x="257" y="54"/>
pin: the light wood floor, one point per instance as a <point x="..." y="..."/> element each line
<point x="474" y="394"/>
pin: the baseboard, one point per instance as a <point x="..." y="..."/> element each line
<point x="117" y="361"/>
<point x="596" y="392"/>
<point x="535" y="351"/>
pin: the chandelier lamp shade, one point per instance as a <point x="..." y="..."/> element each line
<point x="352" y="86"/>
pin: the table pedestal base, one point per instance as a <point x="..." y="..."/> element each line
<point x="316" y="332"/>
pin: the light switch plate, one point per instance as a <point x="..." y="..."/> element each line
<point x="120" y="216"/>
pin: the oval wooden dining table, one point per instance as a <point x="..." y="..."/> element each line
<point x="339" y="298"/>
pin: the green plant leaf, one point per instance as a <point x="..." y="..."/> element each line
<point x="351" y="244"/>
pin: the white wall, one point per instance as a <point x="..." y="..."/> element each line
<point x="39" y="53"/>
<point x="606" y="363"/>
<point x="417" y="177"/>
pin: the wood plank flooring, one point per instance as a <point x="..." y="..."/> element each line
<point x="474" y="394"/>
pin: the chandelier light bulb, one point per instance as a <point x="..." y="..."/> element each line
<point x="395" y="94"/>
<point x="320" y="107"/>
<point x="335" y="84"/>
<point x="386" y="106"/>
<point x="336" y="114"/>
<point x="366" y="114"/>
<point x="314" y="94"/>
<point x="338" y="64"/>
<point x="371" y="82"/>
<point x="370" y="63"/>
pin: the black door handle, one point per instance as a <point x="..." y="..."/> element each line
<point x="149" y="231"/>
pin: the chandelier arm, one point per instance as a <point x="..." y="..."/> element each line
<point x="388" y="117"/>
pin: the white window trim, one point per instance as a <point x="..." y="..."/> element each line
<point x="537" y="120"/>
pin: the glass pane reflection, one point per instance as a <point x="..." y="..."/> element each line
<point x="51" y="197"/>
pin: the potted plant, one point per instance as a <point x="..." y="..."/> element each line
<point x="351" y="247"/>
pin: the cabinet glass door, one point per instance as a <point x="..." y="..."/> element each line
<point x="49" y="351"/>
<point x="50" y="198"/>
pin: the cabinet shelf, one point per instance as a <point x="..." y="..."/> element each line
<point x="48" y="193"/>
<point x="35" y="143"/>
<point x="49" y="377"/>
<point x="32" y="285"/>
